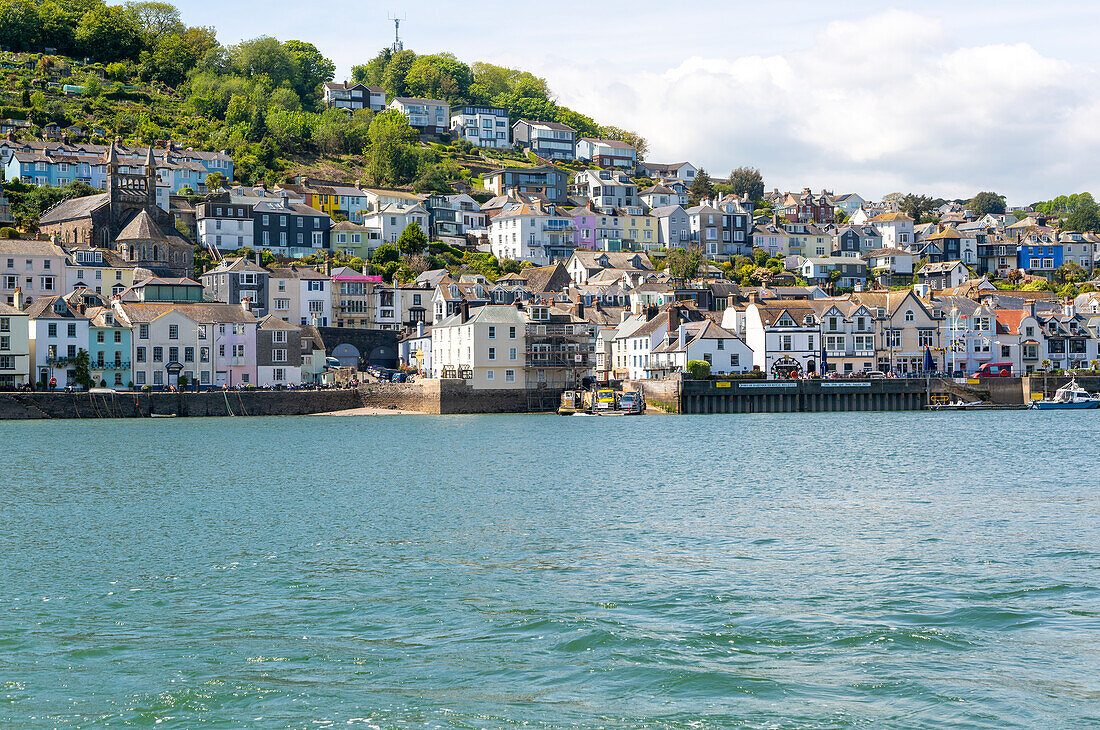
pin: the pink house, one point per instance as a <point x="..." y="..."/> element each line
<point x="584" y="220"/>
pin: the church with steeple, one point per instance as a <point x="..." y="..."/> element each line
<point x="126" y="219"/>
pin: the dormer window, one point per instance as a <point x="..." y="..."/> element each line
<point x="59" y="306"/>
<point x="808" y="320"/>
<point x="785" y="321"/>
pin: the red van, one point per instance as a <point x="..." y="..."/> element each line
<point x="994" y="370"/>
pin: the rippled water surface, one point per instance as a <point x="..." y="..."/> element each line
<point x="831" y="570"/>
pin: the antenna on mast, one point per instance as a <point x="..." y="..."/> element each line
<point x="397" y="44"/>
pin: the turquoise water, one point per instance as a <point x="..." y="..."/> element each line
<point x="780" y="571"/>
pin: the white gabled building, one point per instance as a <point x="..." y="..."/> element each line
<point x="390" y="221"/>
<point x="532" y="232"/>
<point x="485" y="346"/>
<point x="785" y="337"/>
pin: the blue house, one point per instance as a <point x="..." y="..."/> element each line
<point x="1038" y="256"/>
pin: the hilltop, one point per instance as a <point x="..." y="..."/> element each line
<point x="138" y="73"/>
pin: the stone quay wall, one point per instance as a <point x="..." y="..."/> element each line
<point x="143" y="405"/>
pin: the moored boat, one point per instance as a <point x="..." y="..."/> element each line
<point x="1070" y="396"/>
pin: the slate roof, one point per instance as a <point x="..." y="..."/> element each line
<point x="142" y="228"/>
<point x="74" y="208"/>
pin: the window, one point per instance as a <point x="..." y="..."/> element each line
<point x="511" y="333"/>
<point x="143" y="331"/>
<point x="173" y="354"/>
<point x="278" y="355"/>
<point x="158" y="377"/>
<point x="511" y="353"/>
<point x="140" y="377"/>
<point x="141" y="354"/>
<point x="924" y="338"/>
<point x="492" y="332"/>
<point x="100" y="337"/>
<point x="71" y="329"/>
<point x="158" y="354"/>
<point x="490" y="374"/>
<point x="173" y="331"/>
<point x="735" y="361"/>
<point x="204" y="354"/>
<point x="282" y="304"/>
<point x="509" y="376"/>
<point x="909" y="315"/>
<point x="316" y="285"/>
<point x="189" y="354"/>
<point x="51" y="329"/>
<point x="893" y="338"/>
<point x="492" y="353"/>
<point x="278" y="336"/>
<point x="786" y="342"/>
<point x="47" y="283"/>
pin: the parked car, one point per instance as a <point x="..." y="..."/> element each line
<point x="994" y="370"/>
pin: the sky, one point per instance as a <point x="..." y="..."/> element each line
<point x="939" y="98"/>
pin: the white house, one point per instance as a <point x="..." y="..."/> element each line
<point x="354" y="96"/>
<point x="430" y="116"/>
<point x="943" y="275"/>
<point x="482" y="126"/>
<point x="531" y="232"/>
<point x="896" y="229"/>
<point x="784" y="337"/>
<point x="606" y="152"/>
<point x="391" y="220"/>
<point x="484" y="346"/>
<point x="683" y="171"/>
<point x="58" y="331"/>
<point x="726" y="352"/>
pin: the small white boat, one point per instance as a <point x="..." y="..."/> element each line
<point x="1070" y="396"/>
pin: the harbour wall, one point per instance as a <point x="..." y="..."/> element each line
<point x="454" y="396"/>
<point x="143" y="405"/>
<point x="802" y="396"/>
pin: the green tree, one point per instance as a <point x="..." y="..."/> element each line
<point x="372" y="72"/>
<point x="92" y="87"/>
<point x="701" y="187"/>
<point x="684" y="263"/>
<point x="393" y="80"/>
<point x="1070" y="273"/>
<point x="747" y="181"/>
<point x="313" y="70"/>
<point x="439" y="76"/>
<point x="915" y="206"/>
<point x="82" y="366"/>
<point x="390" y="160"/>
<point x="1084" y="218"/>
<point x="698" y="369"/>
<point x="155" y="19"/>
<point x="20" y="25"/>
<point x="384" y="254"/>
<point x="215" y="181"/>
<point x="108" y="33"/>
<point x="412" y="240"/>
<point x="985" y="203"/>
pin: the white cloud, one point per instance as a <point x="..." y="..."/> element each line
<point x="890" y="102"/>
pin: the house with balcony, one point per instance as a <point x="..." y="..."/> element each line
<point x="585" y="266"/>
<point x="353" y="96"/>
<point x="58" y="332"/>
<point x="607" y="153"/>
<point x="896" y="229"/>
<point x="444" y="220"/>
<point x="1039" y="255"/>
<point x="353" y="297"/>
<point x="428" y="116"/>
<point x="470" y="215"/>
<point x="549" y="140"/>
<point x="559" y="346"/>
<point x="352" y="239"/>
<point x="391" y="220"/>
<point x="522" y="182"/>
<point x="683" y="171"/>
<point x="606" y="190"/>
<point x="532" y="232"/>
<point x="905" y="327"/>
<point x="486" y="347"/>
<point x="943" y="275"/>
<point x="807" y="239"/>
<point x="482" y="126"/>
<point x="856" y="241"/>
<point x="109" y="348"/>
<point x="890" y="265"/>
<point x="818" y="270"/>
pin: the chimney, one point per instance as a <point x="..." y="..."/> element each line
<point x="18" y="299"/>
<point x="578" y="309"/>
<point x="673" y="318"/>
<point x="259" y="257"/>
<point x="420" y="329"/>
<point x="246" y="304"/>
<point x="1031" y="308"/>
<point x="1069" y="310"/>
<point x="623" y="315"/>
<point x="465" y="312"/>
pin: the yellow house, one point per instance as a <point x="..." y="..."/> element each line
<point x="641" y="230"/>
